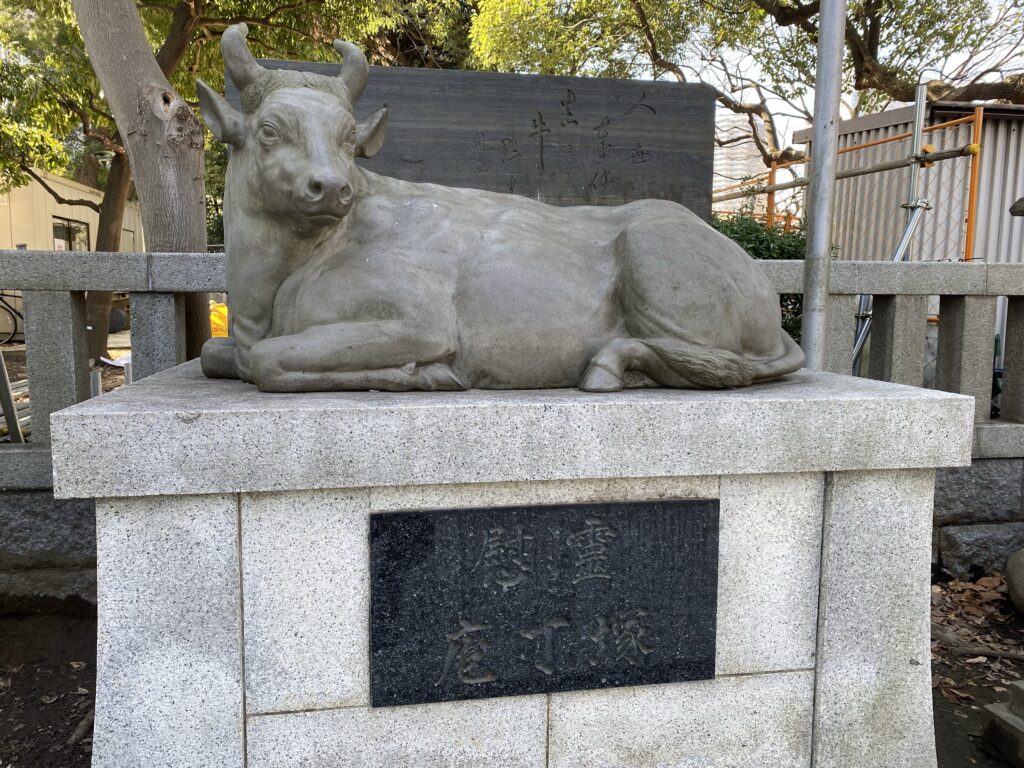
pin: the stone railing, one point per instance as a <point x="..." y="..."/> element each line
<point x="968" y="297"/>
<point x="54" y="284"/>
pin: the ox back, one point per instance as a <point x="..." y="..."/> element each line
<point x="562" y="140"/>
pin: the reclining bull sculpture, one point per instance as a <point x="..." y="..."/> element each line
<point x="342" y="279"/>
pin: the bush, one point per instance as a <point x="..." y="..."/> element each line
<point x="764" y="242"/>
<point x="760" y="240"/>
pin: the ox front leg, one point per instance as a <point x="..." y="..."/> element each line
<point x="218" y="358"/>
<point x="389" y="356"/>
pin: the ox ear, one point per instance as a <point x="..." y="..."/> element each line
<point x="370" y="135"/>
<point x="226" y="122"/>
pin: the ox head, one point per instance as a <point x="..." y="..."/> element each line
<point x="295" y="141"/>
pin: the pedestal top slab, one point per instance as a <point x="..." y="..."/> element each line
<point x="180" y="433"/>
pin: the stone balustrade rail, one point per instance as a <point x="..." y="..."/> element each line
<point x="53" y="285"/>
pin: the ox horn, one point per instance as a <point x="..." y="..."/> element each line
<point x="354" y="69"/>
<point x="237" y="60"/>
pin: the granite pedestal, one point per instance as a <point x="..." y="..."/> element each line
<point x="234" y="568"/>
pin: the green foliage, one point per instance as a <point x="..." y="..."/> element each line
<point x="760" y="240"/>
<point x="431" y="33"/>
<point x="741" y="50"/>
<point x="43" y="64"/>
<point x="51" y="108"/>
<point x="764" y="242"/>
<point x="216" y="170"/>
<point x="575" y="37"/>
<point x="24" y="138"/>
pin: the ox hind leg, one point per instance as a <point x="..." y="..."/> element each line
<point x="384" y="355"/>
<point x="669" y="362"/>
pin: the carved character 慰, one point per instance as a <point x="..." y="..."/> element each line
<point x="342" y="279"/>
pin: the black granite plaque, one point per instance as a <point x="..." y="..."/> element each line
<point x="475" y="603"/>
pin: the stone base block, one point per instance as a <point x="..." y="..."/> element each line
<point x="42" y="532"/>
<point x="1004" y="731"/>
<point x="47" y="551"/>
<point x="722" y="723"/>
<point x="234" y="616"/>
<point x="47" y="590"/>
<point x="967" y="550"/>
<point x="987" y="491"/>
<point x="507" y="732"/>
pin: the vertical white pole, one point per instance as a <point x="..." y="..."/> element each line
<point x="822" y="186"/>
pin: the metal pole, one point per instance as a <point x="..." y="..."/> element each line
<point x="821" y="192"/>
<point x="7" y="402"/>
<point x="864" y="170"/>
<point x="913" y="215"/>
<point x="972" y="195"/>
<point x="864" y="312"/>
<point x="917" y="141"/>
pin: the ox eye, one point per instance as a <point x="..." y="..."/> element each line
<point x="350" y="139"/>
<point x="269" y="132"/>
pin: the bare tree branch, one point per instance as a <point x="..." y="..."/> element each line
<point x="55" y="195"/>
<point x="870" y="72"/>
<point x="657" y="60"/>
<point x="732" y="141"/>
<point x="184" y="19"/>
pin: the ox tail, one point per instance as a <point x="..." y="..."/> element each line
<point x="711" y="368"/>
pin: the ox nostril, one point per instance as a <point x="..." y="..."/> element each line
<point x="327" y="188"/>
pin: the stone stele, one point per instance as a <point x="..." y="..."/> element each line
<point x="342" y="279"/>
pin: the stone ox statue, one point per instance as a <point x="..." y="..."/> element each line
<point x="341" y="279"/>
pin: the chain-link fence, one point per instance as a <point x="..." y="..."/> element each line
<point x="873" y="190"/>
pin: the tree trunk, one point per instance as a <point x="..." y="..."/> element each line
<point x="108" y="238"/>
<point x="164" y="138"/>
<point x="88" y="171"/>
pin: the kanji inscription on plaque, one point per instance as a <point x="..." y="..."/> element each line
<point x="514" y="600"/>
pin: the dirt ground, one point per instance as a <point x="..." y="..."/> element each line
<point x="47" y="681"/>
<point x="977" y="652"/>
<point x="47" y="678"/>
<point x="14" y="358"/>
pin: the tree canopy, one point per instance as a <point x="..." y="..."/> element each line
<point x="760" y="54"/>
<point x="52" y="112"/>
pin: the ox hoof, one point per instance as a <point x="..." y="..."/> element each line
<point x="218" y="358"/>
<point x="600" y="379"/>
<point x="438" y="377"/>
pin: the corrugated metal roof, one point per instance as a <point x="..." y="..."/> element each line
<point x="901" y="115"/>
